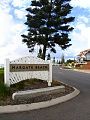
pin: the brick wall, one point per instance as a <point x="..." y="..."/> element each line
<point x="86" y="66"/>
<point x="83" y="66"/>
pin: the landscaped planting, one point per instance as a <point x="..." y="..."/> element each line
<point x="1" y="75"/>
<point x="6" y="92"/>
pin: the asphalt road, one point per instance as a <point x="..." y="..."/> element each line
<point x="75" y="109"/>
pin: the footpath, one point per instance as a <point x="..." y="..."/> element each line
<point x="84" y="71"/>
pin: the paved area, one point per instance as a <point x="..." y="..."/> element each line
<point x="75" y="109"/>
<point x="85" y="71"/>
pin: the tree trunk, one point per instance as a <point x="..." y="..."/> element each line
<point x="44" y="52"/>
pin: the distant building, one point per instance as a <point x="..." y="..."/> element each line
<point x="84" y="56"/>
<point x="83" y="59"/>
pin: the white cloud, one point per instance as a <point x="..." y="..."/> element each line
<point x="18" y="28"/>
<point x="80" y="39"/>
<point x="4" y="5"/>
<point x="14" y="49"/>
<point x="81" y="3"/>
<point x="6" y="22"/>
<point x="10" y="30"/>
<point x="20" y="13"/>
<point x="10" y="34"/>
<point x="81" y="29"/>
<point x="83" y="19"/>
<point x="20" y="3"/>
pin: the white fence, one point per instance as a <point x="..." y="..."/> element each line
<point x="12" y="77"/>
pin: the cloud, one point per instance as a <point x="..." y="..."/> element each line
<point x="5" y="5"/>
<point x="81" y="3"/>
<point x="6" y="22"/>
<point x="83" y="19"/>
<point x="20" y="14"/>
<point x="19" y="8"/>
<point x="14" y="49"/>
<point x="21" y="3"/>
<point x="10" y="33"/>
<point x="12" y="16"/>
<point x="80" y="37"/>
<point x="83" y="36"/>
<point x="82" y="31"/>
<point x="11" y="45"/>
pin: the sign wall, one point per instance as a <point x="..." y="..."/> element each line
<point x="27" y="68"/>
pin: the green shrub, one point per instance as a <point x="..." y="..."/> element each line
<point x="18" y="86"/>
<point x="1" y="75"/>
<point x="4" y="90"/>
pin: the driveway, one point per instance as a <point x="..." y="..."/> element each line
<point x="75" y="109"/>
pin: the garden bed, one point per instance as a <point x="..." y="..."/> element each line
<point x="6" y="99"/>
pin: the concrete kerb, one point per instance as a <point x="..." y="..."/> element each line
<point x="33" y="106"/>
<point x="84" y="71"/>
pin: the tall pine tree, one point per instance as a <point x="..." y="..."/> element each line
<point x="48" y="24"/>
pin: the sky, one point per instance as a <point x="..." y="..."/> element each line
<point x="12" y="18"/>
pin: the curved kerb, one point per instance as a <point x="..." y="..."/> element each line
<point x="33" y="106"/>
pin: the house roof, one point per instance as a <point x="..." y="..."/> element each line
<point x="83" y="53"/>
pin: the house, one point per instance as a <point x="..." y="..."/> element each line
<point x="83" y="59"/>
<point x="84" y="56"/>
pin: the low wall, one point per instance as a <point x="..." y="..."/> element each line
<point x="24" y="95"/>
<point x="85" y="66"/>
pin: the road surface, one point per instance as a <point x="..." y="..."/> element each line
<point x="75" y="109"/>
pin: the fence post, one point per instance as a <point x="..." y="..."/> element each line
<point x="50" y="74"/>
<point x="6" y="73"/>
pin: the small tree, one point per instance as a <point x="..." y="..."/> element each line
<point x="40" y="53"/>
<point x="48" y="56"/>
<point x="48" y="24"/>
<point x="62" y="59"/>
<point x="59" y="62"/>
<point x="53" y="59"/>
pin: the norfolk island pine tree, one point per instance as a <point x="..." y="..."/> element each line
<point x="48" y="24"/>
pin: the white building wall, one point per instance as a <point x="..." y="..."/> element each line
<point x="88" y="56"/>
